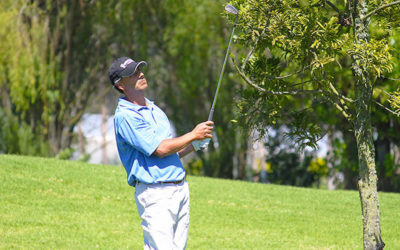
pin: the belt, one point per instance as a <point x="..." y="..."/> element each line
<point x="171" y="182"/>
<point x="165" y="182"/>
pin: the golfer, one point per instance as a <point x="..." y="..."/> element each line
<point x="151" y="158"/>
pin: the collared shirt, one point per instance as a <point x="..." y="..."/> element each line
<point x="139" y="131"/>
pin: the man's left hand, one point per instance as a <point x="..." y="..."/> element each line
<point x="204" y="143"/>
<point x="201" y="144"/>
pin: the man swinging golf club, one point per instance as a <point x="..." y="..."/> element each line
<point x="151" y="158"/>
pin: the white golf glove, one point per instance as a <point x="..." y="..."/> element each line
<point x="201" y="145"/>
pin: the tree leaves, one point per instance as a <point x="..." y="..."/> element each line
<point x="310" y="44"/>
<point x="373" y="56"/>
<point x="395" y="101"/>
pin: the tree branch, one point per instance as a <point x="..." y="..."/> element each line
<point x="289" y="75"/>
<point x="380" y="8"/>
<point x="73" y="120"/>
<point x="255" y="44"/>
<point x="387" y="109"/>
<point x="383" y="106"/>
<point x="340" y="102"/>
<point x="253" y="48"/>
<point x="341" y="109"/>
<point x="333" y="6"/>
<point x="339" y="95"/>
<point x="384" y="91"/>
<point x="292" y="92"/>
<point x="296" y="92"/>
<point x="392" y="79"/>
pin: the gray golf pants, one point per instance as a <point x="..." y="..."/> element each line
<point x="165" y="210"/>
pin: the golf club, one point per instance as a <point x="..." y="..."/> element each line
<point x="229" y="8"/>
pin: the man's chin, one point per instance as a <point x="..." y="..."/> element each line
<point x="141" y="84"/>
<point x="144" y="83"/>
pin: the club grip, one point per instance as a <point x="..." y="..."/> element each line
<point x="210" y="116"/>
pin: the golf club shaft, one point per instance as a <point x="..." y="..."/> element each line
<point x="210" y="116"/>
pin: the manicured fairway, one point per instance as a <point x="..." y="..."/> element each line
<point x="52" y="204"/>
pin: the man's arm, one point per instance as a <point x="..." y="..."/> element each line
<point x="182" y="144"/>
<point x="187" y="150"/>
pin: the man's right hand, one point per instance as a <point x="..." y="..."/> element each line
<point x="202" y="134"/>
<point x="180" y="144"/>
<point x="203" y="130"/>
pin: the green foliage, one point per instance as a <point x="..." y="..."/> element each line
<point x="308" y="65"/>
<point x="300" y="43"/>
<point x="195" y="167"/>
<point x="55" y="56"/>
<point x="318" y="167"/>
<point x="395" y="101"/>
<point x="304" y="131"/>
<point x="289" y="167"/>
<point x="388" y="17"/>
<point x="344" y="162"/>
<point x="41" y="75"/>
<point x="373" y="56"/>
<point x="65" y="154"/>
<point x="302" y="49"/>
<point x="16" y="137"/>
<point x="390" y="174"/>
<point x="23" y="65"/>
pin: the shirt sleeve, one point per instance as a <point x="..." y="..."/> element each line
<point x="139" y="134"/>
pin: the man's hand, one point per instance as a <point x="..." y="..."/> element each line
<point x="201" y="145"/>
<point x="203" y="135"/>
<point x="204" y="143"/>
<point x="203" y="130"/>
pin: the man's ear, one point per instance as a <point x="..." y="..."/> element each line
<point x="119" y="86"/>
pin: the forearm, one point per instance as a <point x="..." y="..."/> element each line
<point x="182" y="144"/>
<point x="185" y="151"/>
<point x="172" y="146"/>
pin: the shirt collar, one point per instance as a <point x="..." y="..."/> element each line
<point x="127" y="104"/>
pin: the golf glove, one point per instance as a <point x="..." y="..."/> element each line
<point x="201" y="145"/>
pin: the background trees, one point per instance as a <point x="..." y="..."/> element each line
<point x="300" y="48"/>
<point x="49" y="64"/>
<point x="55" y="55"/>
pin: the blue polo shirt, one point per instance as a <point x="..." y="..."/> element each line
<point x="139" y="131"/>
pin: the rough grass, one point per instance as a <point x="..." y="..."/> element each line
<point x="53" y="204"/>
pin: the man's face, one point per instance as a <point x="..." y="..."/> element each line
<point x="137" y="80"/>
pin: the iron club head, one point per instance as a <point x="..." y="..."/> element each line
<point x="231" y="9"/>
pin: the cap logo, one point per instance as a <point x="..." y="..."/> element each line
<point x="128" y="61"/>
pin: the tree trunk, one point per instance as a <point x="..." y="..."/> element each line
<point x="367" y="182"/>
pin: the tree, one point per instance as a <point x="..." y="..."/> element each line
<point x="297" y="49"/>
<point x="184" y="43"/>
<point x="55" y="56"/>
<point x="49" y="62"/>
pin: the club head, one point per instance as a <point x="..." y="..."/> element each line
<point x="231" y="9"/>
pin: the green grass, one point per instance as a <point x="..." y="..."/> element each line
<point x="52" y="204"/>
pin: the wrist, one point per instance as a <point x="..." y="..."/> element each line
<point x="192" y="136"/>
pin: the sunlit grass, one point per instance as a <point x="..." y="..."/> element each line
<point x="47" y="203"/>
